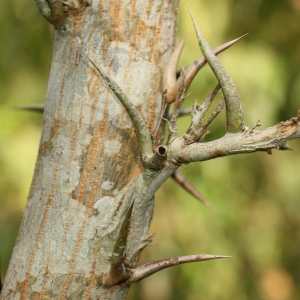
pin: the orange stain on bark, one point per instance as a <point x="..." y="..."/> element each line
<point x="40" y="235"/>
<point x="73" y="260"/>
<point x="149" y="6"/>
<point x="93" y="154"/>
<point x="154" y="58"/>
<point x="87" y="293"/>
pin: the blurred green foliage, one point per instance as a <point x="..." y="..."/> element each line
<point x="257" y="195"/>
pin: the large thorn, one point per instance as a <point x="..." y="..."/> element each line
<point x="234" y="112"/>
<point x="142" y="132"/>
<point x="118" y="271"/>
<point x="186" y="185"/>
<point x="169" y="78"/>
<point x="148" y="269"/>
<point x="195" y="67"/>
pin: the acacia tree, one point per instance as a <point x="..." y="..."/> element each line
<point x="101" y="157"/>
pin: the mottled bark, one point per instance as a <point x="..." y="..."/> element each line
<point x="89" y="170"/>
<point x="99" y="164"/>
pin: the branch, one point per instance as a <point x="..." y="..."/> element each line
<point x="148" y="269"/>
<point x="274" y="137"/>
<point x="234" y="112"/>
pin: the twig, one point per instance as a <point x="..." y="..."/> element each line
<point x="196" y="128"/>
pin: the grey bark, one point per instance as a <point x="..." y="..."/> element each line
<point x="89" y="171"/>
<point x="91" y="199"/>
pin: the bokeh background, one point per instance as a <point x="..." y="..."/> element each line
<point x="257" y="195"/>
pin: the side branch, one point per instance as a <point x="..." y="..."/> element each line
<point x="274" y="137"/>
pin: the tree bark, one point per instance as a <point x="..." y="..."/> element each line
<point x="89" y="171"/>
<point x="99" y="163"/>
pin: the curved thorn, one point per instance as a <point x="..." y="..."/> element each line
<point x="142" y="132"/>
<point x="195" y="67"/>
<point x="146" y="270"/>
<point x="183" y="182"/>
<point x="169" y="78"/>
<point x="234" y="112"/>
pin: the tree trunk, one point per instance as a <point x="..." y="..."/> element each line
<point x="91" y="200"/>
<point x="89" y="172"/>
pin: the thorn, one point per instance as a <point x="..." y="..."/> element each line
<point x="183" y="182"/>
<point x="196" y="128"/>
<point x="177" y="105"/>
<point x="146" y="270"/>
<point x="284" y="146"/>
<point x="181" y="92"/>
<point x="206" y="134"/>
<point x="195" y="67"/>
<point x="252" y="127"/>
<point x="234" y="112"/>
<point x="269" y="151"/>
<point x="34" y="107"/>
<point x="215" y="113"/>
<point x="169" y="78"/>
<point x="118" y="271"/>
<point x="183" y="112"/>
<point x="142" y="131"/>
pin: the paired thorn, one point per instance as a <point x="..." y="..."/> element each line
<point x="234" y="112"/>
<point x="146" y="270"/>
<point x="183" y="182"/>
<point x="190" y="71"/>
